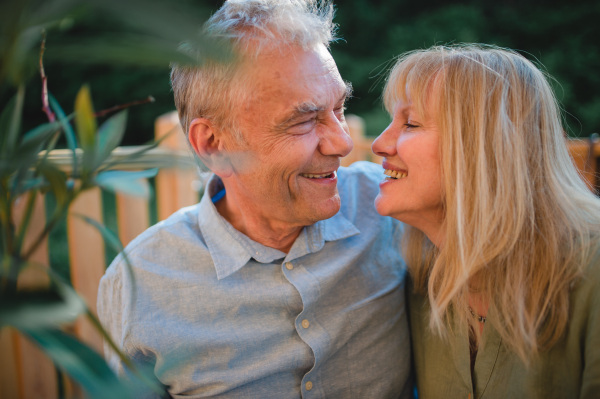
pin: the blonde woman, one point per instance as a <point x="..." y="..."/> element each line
<point x="504" y="236"/>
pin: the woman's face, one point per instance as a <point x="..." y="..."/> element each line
<point x="412" y="190"/>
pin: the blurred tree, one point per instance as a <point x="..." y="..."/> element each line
<point x="121" y="49"/>
<point x="562" y="37"/>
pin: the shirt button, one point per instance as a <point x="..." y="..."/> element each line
<point x="308" y="386"/>
<point x="289" y="266"/>
<point x="305" y="323"/>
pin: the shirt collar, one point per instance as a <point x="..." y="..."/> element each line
<point x="230" y="249"/>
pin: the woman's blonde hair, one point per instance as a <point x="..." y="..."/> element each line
<point x="520" y="223"/>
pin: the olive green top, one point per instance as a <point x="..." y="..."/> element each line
<point x="570" y="369"/>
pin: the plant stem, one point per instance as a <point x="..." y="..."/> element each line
<point x="116" y="108"/>
<point x="45" y="105"/>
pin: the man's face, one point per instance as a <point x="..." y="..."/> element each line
<point x="295" y="133"/>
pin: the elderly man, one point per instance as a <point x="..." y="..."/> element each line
<point x="283" y="281"/>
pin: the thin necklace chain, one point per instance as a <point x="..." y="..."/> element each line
<point x="479" y="318"/>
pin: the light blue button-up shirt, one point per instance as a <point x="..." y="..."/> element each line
<point x="218" y="315"/>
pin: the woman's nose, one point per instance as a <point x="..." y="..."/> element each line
<point x="385" y="144"/>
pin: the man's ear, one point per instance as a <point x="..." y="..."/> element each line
<point x="209" y="146"/>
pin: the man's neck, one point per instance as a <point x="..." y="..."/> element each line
<point x="258" y="227"/>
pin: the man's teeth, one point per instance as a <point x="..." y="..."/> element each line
<point x="321" y="176"/>
<point x="394" y="174"/>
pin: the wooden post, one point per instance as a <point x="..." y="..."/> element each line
<point x="86" y="256"/>
<point x="9" y="377"/>
<point x="585" y="157"/>
<point x="34" y="371"/>
<point x="175" y="188"/>
<point x="133" y="217"/>
<point x="362" y="143"/>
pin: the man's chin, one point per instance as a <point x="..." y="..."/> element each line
<point x="327" y="208"/>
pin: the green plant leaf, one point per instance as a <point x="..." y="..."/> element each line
<point x="10" y="123"/>
<point x="53" y="11"/>
<point x="67" y="129"/>
<point x="109" y="137"/>
<point x="146" y="40"/>
<point x="108" y="235"/>
<point x="32" y="143"/>
<point x="111" y="239"/>
<point x="30" y="184"/>
<point x="78" y="360"/>
<point x="131" y="183"/>
<point x="64" y="121"/>
<point x="35" y="138"/>
<point x="41" y="307"/>
<point x="84" y="119"/>
<point x="26" y="154"/>
<point x="20" y="163"/>
<point x="57" y="183"/>
<point x="136" y="154"/>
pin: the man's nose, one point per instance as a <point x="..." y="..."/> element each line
<point x="335" y="139"/>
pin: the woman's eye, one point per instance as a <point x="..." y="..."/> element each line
<point x="410" y="125"/>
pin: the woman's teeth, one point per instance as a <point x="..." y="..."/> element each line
<point x="394" y="174"/>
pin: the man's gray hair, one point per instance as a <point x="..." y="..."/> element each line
<point x="214" y="89"/>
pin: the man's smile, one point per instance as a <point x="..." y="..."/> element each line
<point x="328" y="175"/>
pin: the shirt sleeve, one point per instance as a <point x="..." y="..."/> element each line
<point x="110" y="313"/>
<point x="590" y="385"/>
<point x="114" y="302"/>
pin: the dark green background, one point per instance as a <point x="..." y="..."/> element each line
<point x="561" y="37"/>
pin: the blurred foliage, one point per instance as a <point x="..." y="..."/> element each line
<point x="562" y="38"/>
<point x="43" y="305"/>
<point x="121" y="49"/>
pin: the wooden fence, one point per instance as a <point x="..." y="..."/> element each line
<point x="25" y="372"/>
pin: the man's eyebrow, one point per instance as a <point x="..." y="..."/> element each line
<point x="349" y="90"/>
<point x="298" y="111"/>
<point x="310" y="107"/>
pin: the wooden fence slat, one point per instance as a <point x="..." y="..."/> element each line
<point x="175" y="188"/>
<point x="585" y="159"/>
<point x="133" y="217"/>
<point x="8" y="370"/>
<point x="86" y="254"/>
<point x="36" y="374"/>
<point x="362" y="144"/>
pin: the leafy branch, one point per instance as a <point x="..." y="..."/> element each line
<point x="25" y="172"/>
